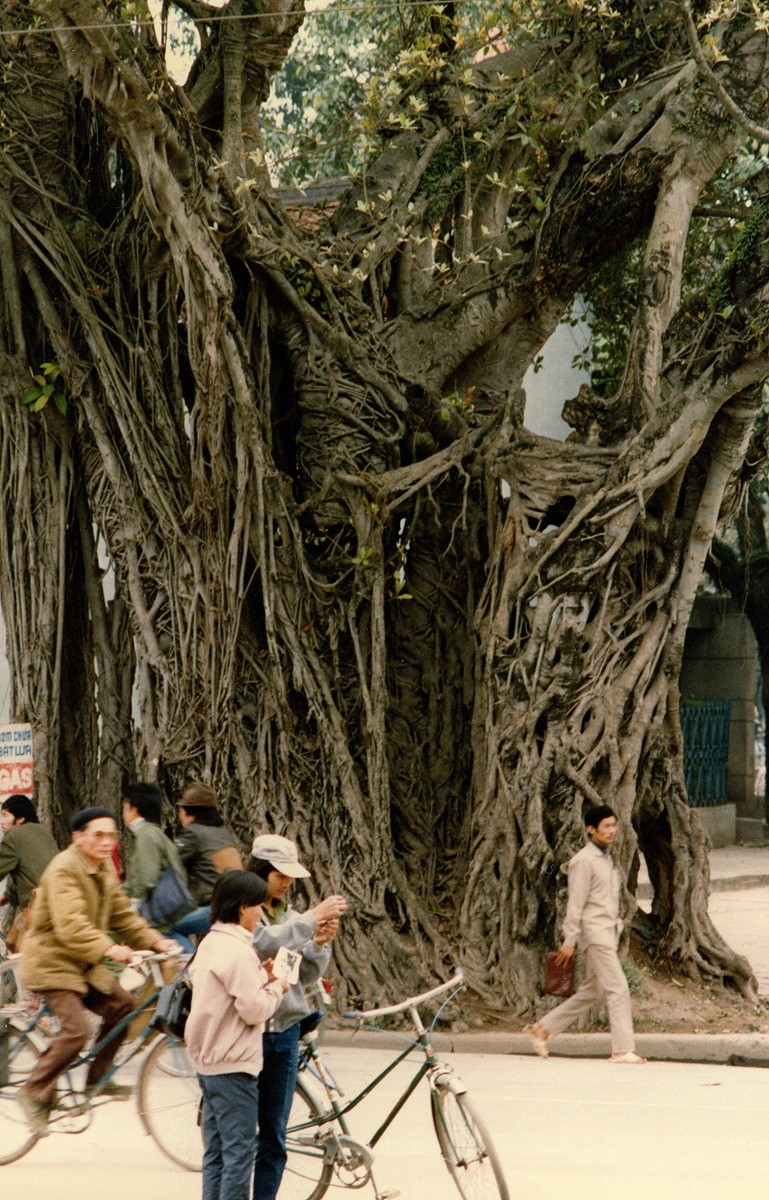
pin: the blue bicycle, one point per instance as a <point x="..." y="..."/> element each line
<point x="26" y="1024"/>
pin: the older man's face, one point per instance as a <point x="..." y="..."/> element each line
<point x="97" y="840"/>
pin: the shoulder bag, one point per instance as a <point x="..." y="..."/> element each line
<point x="173" y="1006"/>
<point x="169" y="900"/>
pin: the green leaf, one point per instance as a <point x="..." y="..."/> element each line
<point x="60" y="401"/>
<point x="40" y="403"/>
<point x="29" y="394"/>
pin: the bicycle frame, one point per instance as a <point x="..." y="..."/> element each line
<point x="133" y="1048"/>
<point x="339" y="1111"/>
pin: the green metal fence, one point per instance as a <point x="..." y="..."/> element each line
<point x="705" y="727"/>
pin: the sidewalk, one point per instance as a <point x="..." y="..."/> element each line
<point x="739" y="903"/>
<point x="731" y="868"/>
<point x="739" y="908"/>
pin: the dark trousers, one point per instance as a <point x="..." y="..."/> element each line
<point x="276" y="1092"/>
<point x="69" y="1008"/>
<point x="230" y="1104"/>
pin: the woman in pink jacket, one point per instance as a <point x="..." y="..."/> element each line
<point x="232" y="996"/>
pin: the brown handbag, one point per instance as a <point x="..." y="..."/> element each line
<point x="559" y="977"/>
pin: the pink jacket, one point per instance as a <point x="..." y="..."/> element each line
<point x="231" y="1000"/>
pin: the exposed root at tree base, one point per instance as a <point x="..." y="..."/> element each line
<point x="664" y="999"/>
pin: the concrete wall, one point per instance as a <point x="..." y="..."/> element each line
<point x="719" y="662"/>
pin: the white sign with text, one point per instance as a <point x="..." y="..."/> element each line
<point x="16" y="766"/>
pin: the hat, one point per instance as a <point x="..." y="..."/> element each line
<point x="280" y="853"/>
<point x="198" y="795"/>
<point x="86" y="815"/>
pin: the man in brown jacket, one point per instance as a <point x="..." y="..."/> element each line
<point x="78" y="900"/>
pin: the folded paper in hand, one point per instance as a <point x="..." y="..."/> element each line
<point x="286" y="965"/>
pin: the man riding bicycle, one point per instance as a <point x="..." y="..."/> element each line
<point x="79" y="904"/>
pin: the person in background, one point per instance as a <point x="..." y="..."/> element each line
<point x="233" y="994"/>
<point x="25" y="851"/>
<point x="150" y="853"/>
<point x="593" y="924"/>
<point x="78" y="912"/>
<point x="205" y="844"/>
<point x="275" y="859"/>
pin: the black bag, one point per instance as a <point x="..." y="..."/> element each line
<point x="173" y="1007"/>
<point x="169" y="900"/>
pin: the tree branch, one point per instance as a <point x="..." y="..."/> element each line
<point x="757" y="131"/>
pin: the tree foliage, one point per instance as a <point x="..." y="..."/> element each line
<point x="287" y="530"/>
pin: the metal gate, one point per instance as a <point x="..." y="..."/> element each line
<point x="705" y="728"/>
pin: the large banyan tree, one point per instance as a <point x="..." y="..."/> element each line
<point x="271" y="512"/>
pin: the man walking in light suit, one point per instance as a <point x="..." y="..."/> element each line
<point x="593" y="925"/>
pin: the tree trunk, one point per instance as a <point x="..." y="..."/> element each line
<point x="345" y="585"/>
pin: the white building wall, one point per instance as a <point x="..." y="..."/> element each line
<point x="556" y="381"/>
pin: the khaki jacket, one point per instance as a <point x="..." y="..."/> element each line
<point x="75" y="904"/>
<point x="592" y="910"/>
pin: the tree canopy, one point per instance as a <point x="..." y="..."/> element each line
<point x="272" y="516"/>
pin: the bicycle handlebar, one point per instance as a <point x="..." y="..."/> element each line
<point x="145" y="956"/>
<point x="364" y="1014"/>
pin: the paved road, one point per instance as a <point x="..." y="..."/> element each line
<point x="566" y="1129"/>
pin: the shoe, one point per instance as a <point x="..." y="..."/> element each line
<point x="539" y="1043"/>
<point x="115" y="1091"/>
<point x="629" y="1056"/>
<point x="35" y="1113"/>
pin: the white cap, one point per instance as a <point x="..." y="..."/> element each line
<point x="281" y="853"/>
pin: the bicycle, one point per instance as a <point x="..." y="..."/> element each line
<point x="24" y="1029"/>
<point x="8" y="983"/>
<point x="321" y="1150"/>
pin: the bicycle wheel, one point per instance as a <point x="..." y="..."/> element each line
<point x="309" y="1165"/>
<point x="18" y="1055"/>
<point x="466" y="1147"/>
<point x="168" y="1103"/>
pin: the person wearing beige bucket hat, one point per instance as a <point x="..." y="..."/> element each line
<point x="275" y="859"/>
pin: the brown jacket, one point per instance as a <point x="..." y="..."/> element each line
<point x="75" y="904"/>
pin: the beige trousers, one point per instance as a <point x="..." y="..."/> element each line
<point x="605" y="978"/>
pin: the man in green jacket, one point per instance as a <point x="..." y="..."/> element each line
<point x="78" y="904"/>
<point x="150" y="853"/>
<point x="25" y="851"/>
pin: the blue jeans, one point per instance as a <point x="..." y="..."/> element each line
<point x="196" y="922"/>
<point x="276" y="1092"/>
<point x="230" y="1107"/>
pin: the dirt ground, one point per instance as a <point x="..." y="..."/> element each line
<point x="663" y="1002"/>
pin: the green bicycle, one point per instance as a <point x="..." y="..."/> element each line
<point x="321" y="1151"/>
